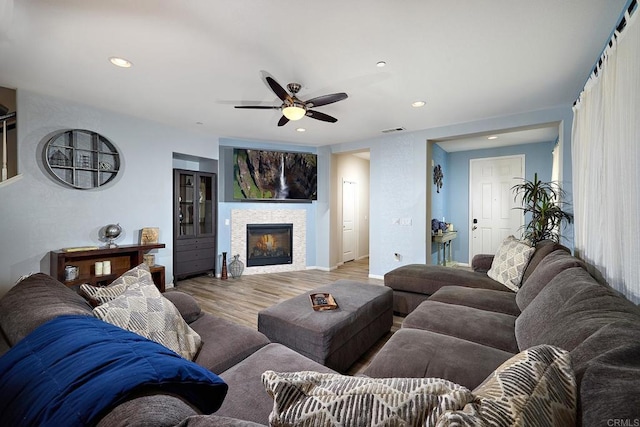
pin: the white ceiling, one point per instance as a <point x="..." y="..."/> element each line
<point x="507" y="137"/>
<point x="194" y="60"/>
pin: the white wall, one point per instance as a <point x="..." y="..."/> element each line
<point x="38" y="215"/>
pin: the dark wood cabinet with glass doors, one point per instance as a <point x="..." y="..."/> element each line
<point x="194" y="223"/>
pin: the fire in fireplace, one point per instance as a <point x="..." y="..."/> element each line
<point x="269" y="244"/>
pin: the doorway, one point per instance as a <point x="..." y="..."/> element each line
<point x="349" y="213"/>
<point x="349" y="203"/>
<point x="491" y="202"/>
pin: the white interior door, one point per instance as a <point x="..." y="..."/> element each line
<point x="348" y="221"/>
<point x="492" y="201"/>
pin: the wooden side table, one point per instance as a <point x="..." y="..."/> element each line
<point x="443" y="241"/>
<point x="122" y="258"/>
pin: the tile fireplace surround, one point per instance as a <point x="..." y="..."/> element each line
<point x="241" y="217"/>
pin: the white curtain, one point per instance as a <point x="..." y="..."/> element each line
<point x="606" y="169"/>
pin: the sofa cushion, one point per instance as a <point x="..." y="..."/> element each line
<point x="419" y="353"/>
<point x="224" y="343"/>
<point x="548" y="268"/>
<point x="468" y="323"/>
<point x="535" y="387"/>
<point x="100" y="294"/>
<point x="246" y="398"/>
<point x="483" y="299"/>
<point x="481" y="263"/>
<point x="543" y="249"/>
<point x="606" y="393"/>
<point x="186" y="305"/>
<point x="426" y="279"/>
<point x="34" y="301"/>
<point x="146" y="312"/>
<point x="571" y="308"/>
<point x="611" y="336"/>
<point x="321" y="399"/>
<point x="610" y="386"/>
<point x="510" y="261"/>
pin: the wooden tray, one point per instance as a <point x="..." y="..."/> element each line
<point x="322" y="301"/>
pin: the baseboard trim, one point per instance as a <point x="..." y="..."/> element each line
<point x="313" y="267"/>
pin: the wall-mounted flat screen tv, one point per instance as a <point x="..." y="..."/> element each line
<point x="274" y="175"/>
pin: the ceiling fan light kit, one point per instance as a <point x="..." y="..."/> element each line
<point x="294" y="112"/>
<point x="293" y="108"/>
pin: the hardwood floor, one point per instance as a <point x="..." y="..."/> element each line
<point x="241" y="299"/>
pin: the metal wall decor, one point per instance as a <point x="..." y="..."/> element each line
<point x="81" y="159"/>
<point x="437" y="177"/>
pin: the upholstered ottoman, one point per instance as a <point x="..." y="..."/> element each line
<point x="334" y="338"/>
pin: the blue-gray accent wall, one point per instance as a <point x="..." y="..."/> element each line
<point x="538" y="159"/>
<point x="439" y="200"/>
<point x="226" y="202"/>
<point x="40" y="215"/>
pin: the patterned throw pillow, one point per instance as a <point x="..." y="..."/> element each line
<point x="510" y="261"/>
<point x="142" y="309"/>
<point x="534" y="387"/>
<point x="131" y="279"/>
<point x="318" y="399"/>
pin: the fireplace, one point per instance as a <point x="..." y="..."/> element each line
<point x="269" y="244"/>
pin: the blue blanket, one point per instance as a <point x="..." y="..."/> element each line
<point x="74" y="369"/>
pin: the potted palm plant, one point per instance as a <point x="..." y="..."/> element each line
<point x="542" y="204"/>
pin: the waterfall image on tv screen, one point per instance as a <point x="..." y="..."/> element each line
<point x="274" y="175"/>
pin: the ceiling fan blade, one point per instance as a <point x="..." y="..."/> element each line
<point x="325" y="99"/>
<point x="321" y="116"/>
<point x="259" y="107"/>
<point x="283" y="121"/>
<point x="277" y="89"/>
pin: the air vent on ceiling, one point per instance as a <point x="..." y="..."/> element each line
<point x="393" y="130"/>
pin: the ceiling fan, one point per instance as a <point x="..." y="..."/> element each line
<point x="294" y="108"/>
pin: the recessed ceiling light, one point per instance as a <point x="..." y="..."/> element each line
<point x="120" y="62"/>
<point x="418" y="104"/>
<point x="380" y="64"/>
<point x="492" y="137"/>
<point x="301" y="129"/>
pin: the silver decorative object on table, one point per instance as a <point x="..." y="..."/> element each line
<point x="111" y="233"/>
<point x="70" y="273"/>
<point x="236" y="267"/>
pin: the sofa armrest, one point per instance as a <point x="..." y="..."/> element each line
<point x="151" y="408"/>
<point x="4" y="344"/>
<point x="186" y="305"/>
<point x="216" y="421"/>
<point x="481" y="263"/>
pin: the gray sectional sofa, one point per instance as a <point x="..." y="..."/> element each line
<point x="461" y="325"/>
<point x="461" y="331"/>
<point x="238" y="354"/>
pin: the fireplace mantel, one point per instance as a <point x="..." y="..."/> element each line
<point x="241" y="217"/>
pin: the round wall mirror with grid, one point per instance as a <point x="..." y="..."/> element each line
<point x="81" y="159"/>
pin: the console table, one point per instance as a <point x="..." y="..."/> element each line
<point x="123" y="258"/>
<point x="443" y="241"/>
